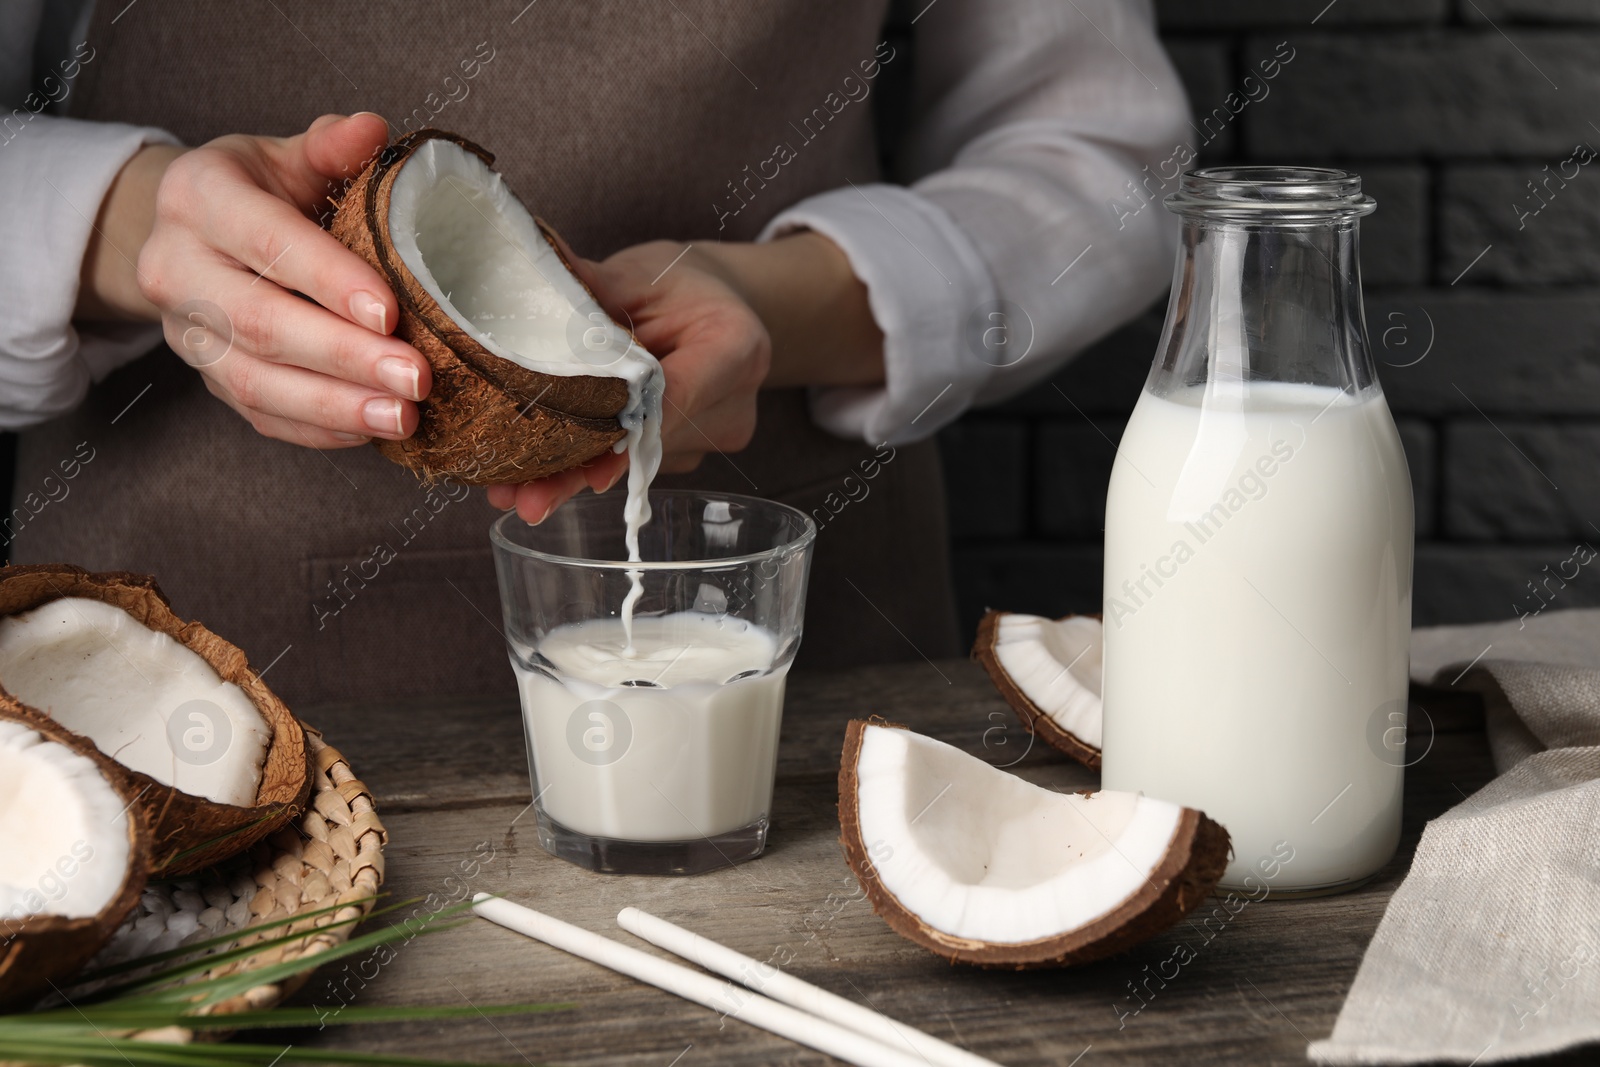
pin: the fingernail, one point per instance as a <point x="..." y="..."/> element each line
<point x="548" y="509"/>
<point x="383" y="416"/>
<point x="370" y="312"/>
<point x="615" y="478"/>
<point x="400" y="376"/>
<point x="353" y="438"/>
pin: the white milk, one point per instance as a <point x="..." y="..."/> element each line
<point x="517" y="299"/>
<point x="689" y="755"/>
<point x="1257" y="610"/>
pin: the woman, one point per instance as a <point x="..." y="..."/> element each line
<point x="814" y="323"/>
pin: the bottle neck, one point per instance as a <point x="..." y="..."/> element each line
<point x="1265" y="302"/>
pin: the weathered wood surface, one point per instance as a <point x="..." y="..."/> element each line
<point x="451" y="782"/>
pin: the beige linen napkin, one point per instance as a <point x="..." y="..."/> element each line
<point x="1490" y="948"/>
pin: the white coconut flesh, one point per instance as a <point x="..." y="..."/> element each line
<point x="63" y="829"/>
<point x="1056" y="664"/>
<point x="977" y="853"/>
<point x="101" y="673"/>
<point x="478" y="252"/>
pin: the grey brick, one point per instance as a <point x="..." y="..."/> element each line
<point x="1486" y="583"/>
<point x="1072" y="468"/>
<point x="1571" y="11"/>
<point x="1418" y="440"/>
<point x="1507" y="353"/>
<point x="1206" y="68"/>
<point x="1394" y="239"/>
<point x="1457" y="93"/>
<point x="1542" y="236"/>
<point x="985" y="466"/>
<point x="1188" y="14"/>
<point x="1520" y="481"/>
<point x="1040" y="579"/>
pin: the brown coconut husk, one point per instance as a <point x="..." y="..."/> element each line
<point x="188" y="833"/>
<point x="38" y="950"/>
<point x="1033" y="717"/>
<point x="1186" y="875"/>
<point x="487" y="420"/>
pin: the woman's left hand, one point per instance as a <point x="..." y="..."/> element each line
<point x="724" y="319"/>
<point x="714" y="352"/>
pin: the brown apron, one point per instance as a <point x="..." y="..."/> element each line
<point x="618" y="121"/>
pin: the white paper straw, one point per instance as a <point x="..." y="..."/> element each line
<point x="720" y="996"/>
<point x="771" y="981"/>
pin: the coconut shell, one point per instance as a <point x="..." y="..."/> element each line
<point x="1186" y="875"/>
<point x="39" y="950"/>
<point x="487" y="420"/>
<point x="1034" y="718"/>
<point x="188" y="833"/>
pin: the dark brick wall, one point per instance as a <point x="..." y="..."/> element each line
<point x="1449" y="109"/>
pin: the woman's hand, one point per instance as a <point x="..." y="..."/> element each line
<point x="724" y="319"/>
<point x="714" y="351"/>
<point x="225" y="240"/>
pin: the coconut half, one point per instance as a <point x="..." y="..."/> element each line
<point x="1048" y="670"/>
<point x="530" y="375"/>
<point x="218" y="759"/>
<point x="980" y="866"/>
<point x="74" y="854"/>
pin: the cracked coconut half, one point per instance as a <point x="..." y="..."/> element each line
<point x="74" y="854"/>
<point x="1048" y="670"/>
<point x="218" y="759"/>
<point x="980" y="866"/>
<point x="530" y="375"/>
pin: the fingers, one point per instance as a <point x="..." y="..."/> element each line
<point x="336" y="148"/>
<point x="273" y="325"/>
<point x="271" y="239"/>
<point x="535" y="501"/>
<point x="682" y="462"/>
<point x="295" y="433"/>
<point x="255" y="386"/>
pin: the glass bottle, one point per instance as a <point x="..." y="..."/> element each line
<point x="1259" y="543"/>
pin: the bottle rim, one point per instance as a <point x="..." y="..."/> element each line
<point x="1271" y="194"/>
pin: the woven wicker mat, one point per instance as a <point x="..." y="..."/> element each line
<point x="331" y="857"/>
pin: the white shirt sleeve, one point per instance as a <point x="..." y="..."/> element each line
<point x="1046" y="135"/>
<point x="54" y="173"/>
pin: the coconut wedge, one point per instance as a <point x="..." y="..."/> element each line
<point x="982" y="867"/>
<point x="103" y="658"/>
<point x="74" y="853"/>
<point x="1048" y="670"/>
<point x="529" y="373"/>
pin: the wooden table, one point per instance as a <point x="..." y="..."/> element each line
<point x="452" y="786"/>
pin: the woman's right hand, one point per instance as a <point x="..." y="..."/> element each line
<point x="231" y="243"/>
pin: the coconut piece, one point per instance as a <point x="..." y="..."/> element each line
<point x="1048" y="670"/>
<point x="75" y="858"/>
<point x="530" y="375"/>
<point x="980" y="866"/>
<point x="101" y="673"/>
<point x="167" y="703"/>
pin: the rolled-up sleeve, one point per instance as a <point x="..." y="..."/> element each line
<point x="54" y="174"/>
<point x="1046" y="133"/>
